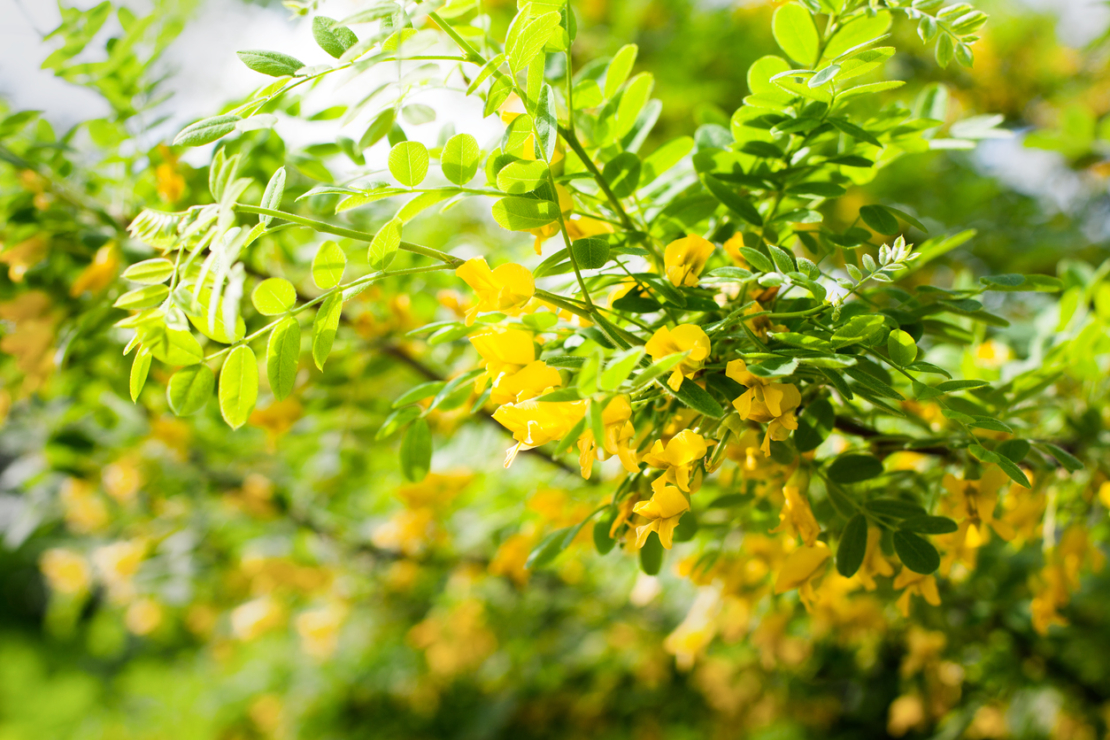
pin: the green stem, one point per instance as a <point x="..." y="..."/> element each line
<point x="362" y="236"/>
<point x="320" y="299"/>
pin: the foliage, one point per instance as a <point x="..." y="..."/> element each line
<point x="880" y="464"/>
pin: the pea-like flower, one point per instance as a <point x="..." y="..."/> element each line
<point x="616" y="420"/>
<point x="972" y="506"/>
<point x="801" y="568"/>
<point x="918" y="584"/>
<point x="506" y="288"/>
<point x="534" y="423"/>
<point x="797" y="518"/>
<point x="683" y="338"/>
<point x="766" y="402"/>
<point x="685" y="258"/>
<point x="510" y="361"/>
<point x="663" y="512"/>
<point x="677" y="458"/>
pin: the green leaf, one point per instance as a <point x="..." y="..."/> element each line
<point x="852" y="547"/>
<point x="757" y="259"/>
<point x="328" y="265"/>
<point x="602" y="541"/>
<point x="282" y="355"/>
<point x="857" y="31"/>
<point x="929" y="525"/>
<point x="174" y="347"/>
<point x="408" y="162"/>
<point x="893" y="507"/>
<point x="522" y="176"/>
<point x="332" y="37"/>
<point x="1019" y="283"/>
<point x="238" y="386"/>
<point x="868" y="89"/>
<point x="879" y="219"/>
<point x="915" y="552"/>
<point x="1014" y="449"/>
<point x="651" y="555"/>
<point x="854" y="468"/>
<point x="522" y="46"/>
<point x="950" y="386"/>
<point x="694" y="396"/>
<point x="378" y="129"/>
<point x="145" y="297"/>
<point x="902" y="348"/>
<point x="190" y="388"/>
<point x="274" y="296"/>
<point x="460" y="159"/>
<point x="271" y="198"/>
<point x="732" y="200"/>
<point x="622" y="173"/>
<point x="665" y="157"/>
<point x="857" y="330"/>
<point x="590" y="253"/>
<point x="619" y="69"/>
<point x="324" y="328"/>
<point x="548" y="549"/>
<point x="140" y="368"/>
<point x="149" y="272"/>
<point x="1008" y="467"/>
<point x="419" y="393"/>
<point x="206" y="131"/>
<point x="416" y="451"/>
<point x="524" y="214"/>
<point x="620" y="367"/>
<point x="1070" y="462"/>
<point x="855" y="131"/>
<point x="796" y="34"/>
<point x="814" y="425"/>
<point x="632" y="101"/>
<point x="547" y="124"/>
<point x="271" y="63"/>
<point x="385" y="245"/>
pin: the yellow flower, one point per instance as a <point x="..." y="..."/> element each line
<point x="319" y="630"/>
<point x="973" y="503"/>
<point x="692" y="637"/>
<point x="143" y="617"/>
<point x="511" y="557"/>
<point x="683" y="338"/>
<point x="732" y="249"/>
<point x="663" y="511"/>
<point x="582" y="227"/>
<point x="122" y="479"/>
<point x="765" y="401"/>
<point x="799" y="571"/>
<point x="920" y="584"/>
<point x="618" y="433"/>
<point x="685" y="258"/>
<point x="797" y="519"/>
<point x="66" y="571"/>
<point x="84" y="510"/>
<point x="117" y="564"/>
<point x="874" y="564"/>
<point x="506" y="289"/>
<point x="255" y="618"/>
<point x="534" y="423"/>
<point x="510" y="361"/>
<point x="677" y="458"/>
<point x="100" y="272"/>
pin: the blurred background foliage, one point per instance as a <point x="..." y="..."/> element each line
<point x="167" y="578"/>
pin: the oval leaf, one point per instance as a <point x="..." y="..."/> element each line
<point x="190" y="388"/>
